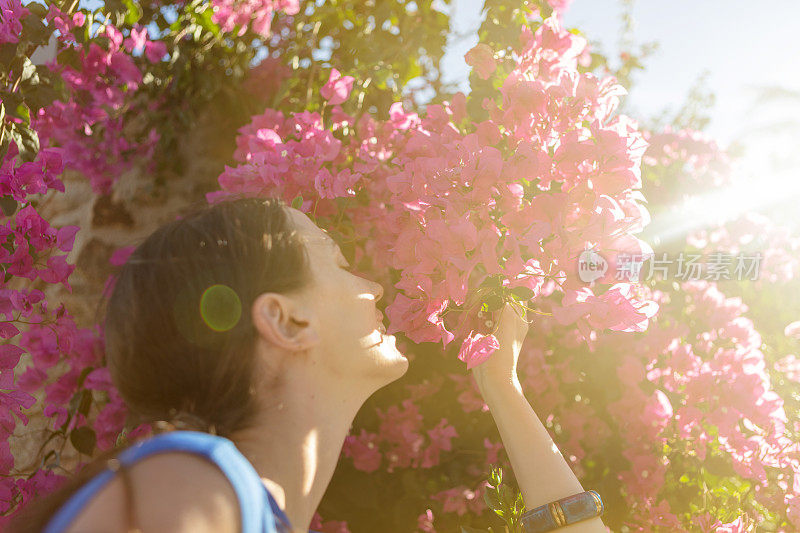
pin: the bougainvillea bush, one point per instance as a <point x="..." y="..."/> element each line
<point x="663" y="396"/>
<point x="505" y="205"/>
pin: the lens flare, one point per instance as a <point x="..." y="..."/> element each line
<point x="220" y="307"/>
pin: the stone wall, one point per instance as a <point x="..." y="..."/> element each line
<point x="136" y="207"/>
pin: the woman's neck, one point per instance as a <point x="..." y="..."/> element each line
<point x="295" y="443"/>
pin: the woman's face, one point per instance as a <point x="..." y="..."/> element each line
<point x="344" y="315"/>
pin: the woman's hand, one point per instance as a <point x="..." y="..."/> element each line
<point x="501" y="367"/>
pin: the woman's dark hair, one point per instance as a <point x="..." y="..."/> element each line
<point x="178" y="331"/>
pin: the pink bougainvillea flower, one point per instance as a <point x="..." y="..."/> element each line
<point x="155" y="50"/>
<point x="114" y="36"/>
<point x="11" y="15"/>
<point x="793" y="330"/>
<point x="559" y="6"/>
<point x="793" y="504"/>
<point x="121" y="255"/>
<point x="789" y="365"/>
<point x="477" y="348"/>
<point x="338" y="87"/>
<point x="441" y="437"/>
<point x="425" y="522"/>
<point x="363" y="450"/>
<point x="492" y="451"/>
<point x="481" y="58"/>
<point x="137" y="40"/>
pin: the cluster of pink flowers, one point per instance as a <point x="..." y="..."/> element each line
<point x="688" y="395"/>
<point x="515" y="198"/>
<point x="56" y="354"/>
<point x="329" y="526"/>
<point x="401" y="440"/>
<point x="754" y="233"/>
<point x="250" y="14"/>
<point x="31" y="246"/>
<point x="789" y="365"/>
<point x="11" y="14"/>
<point x="48" y="365"/>
<point x="88" y="126"/>
<point x="694" y="150"/>
<point x="682" y="163"/>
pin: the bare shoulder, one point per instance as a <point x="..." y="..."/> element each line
<point x="172" y="491"/>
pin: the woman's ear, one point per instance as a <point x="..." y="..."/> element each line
<point x="278" y="319"/>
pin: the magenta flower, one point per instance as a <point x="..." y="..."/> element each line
<point x="137" y="41"/>
<point x="793" y="330"/>
<point x="363" y="449"/>
<point x="477" y="348"/>
<point x="11" y="14"/>
<point x="155" y="50"/>
<point x="338" y="87"/>
<point x="790" y="366"/>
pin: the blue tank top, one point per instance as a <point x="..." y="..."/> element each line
<point x="260" y="512"/>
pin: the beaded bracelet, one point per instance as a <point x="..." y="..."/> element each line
<point x="563" y="512"/>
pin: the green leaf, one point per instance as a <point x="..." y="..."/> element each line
<point x="493" y="501"/>
<point x="41" y="96"/>
<point x="507" y="495"/>
<point x="23" y="112"/>
<point x="84" y="374"/>
<point x="122" y="439"/>
<point x="37" y="9"/>
<point x="297" y="202"/>
<point x="523" y="293"/>
<point x="7" y="53"/>
<point x="203" y="18"/>
<point x="495" y="476"/>
<point x="35" y="30"/>
<point x="8" y="205"/>
<point x="46" y="463"/>
<point x="493" y="282"/>
<point x="134" y="12"/>
<point x="29" y="75"/>
<point x="83" y="439"/>
<point x="86" y="402"/>
<point x="27" y="141"/>
<point x="493" y="302"/>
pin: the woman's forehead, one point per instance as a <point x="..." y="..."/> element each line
<point x="309" y="231"/>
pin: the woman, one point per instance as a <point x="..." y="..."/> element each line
<point x="241" y="321"/>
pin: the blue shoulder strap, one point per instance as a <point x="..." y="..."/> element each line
<point x="222" y="452"/>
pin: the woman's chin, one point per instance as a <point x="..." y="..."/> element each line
<point x="393" y="364"/>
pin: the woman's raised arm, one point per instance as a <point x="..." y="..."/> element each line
<point x="541" y="471"/>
